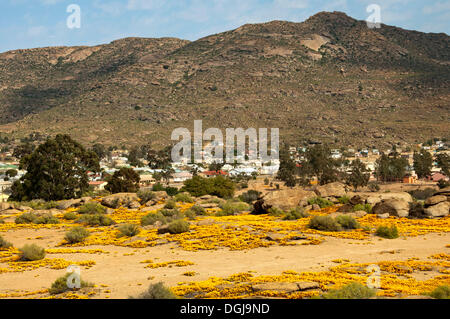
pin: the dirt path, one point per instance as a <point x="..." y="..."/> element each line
<point x="125" y="275"/>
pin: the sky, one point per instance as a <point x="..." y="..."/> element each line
<point x="41" y="23"/>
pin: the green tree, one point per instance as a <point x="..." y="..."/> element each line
<point x="125" y="180"/>
<point x="359" y="176"/>
<point x="159" y="159"/>
<point x="321" y="164"/>
<point x="11" y="173"/>
<point x="443" y="162"/>
<point x="288" y="168"/>
<point x="133" y="158"/>
<point x="56" y="170"/>
<point x="390" y="168"/>
<point x="23" y="150"/>
<point x="218" y="186"/>
<point x="100" y="150"/>
<point x="423" y="162"/>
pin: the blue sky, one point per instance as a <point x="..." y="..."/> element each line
<point x="40" y="23"/>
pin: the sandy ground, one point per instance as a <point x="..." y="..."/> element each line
<point x="127" y="276"/>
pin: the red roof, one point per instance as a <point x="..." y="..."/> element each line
<point x="214" y="173"/>
<point x="96" y="183"/>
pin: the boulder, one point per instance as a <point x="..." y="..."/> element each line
<point x="438" y="210"/>
<point x="286" y="199"/>
<point x="331" y="190"/>
<point x="274" y="236"/>
<point x="117" y="200"/>
<point x="375" y="198"/>
<point x="435" y="200"/>
<point x="134" y="205"/>
<point x="356" y="200"/>
<point x="5" y="206"/>
<point x="383" y="216"/>
<point x="11" y="211"/>
<point x="46" y="212"/>
<point x="357" y="214"/>
<point x="68" y="203"/>
<point x="444" y="191"/>
<point x="346" y="208"/>
<point x="394" y="207"/>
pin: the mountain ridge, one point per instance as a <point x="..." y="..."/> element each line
<point x="310" y="79"/>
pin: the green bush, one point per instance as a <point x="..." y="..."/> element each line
<point x="171" y="214"/>
<point x="365" y="207"/>
<point x="170" y="204"/>
<point x="344" y="200"/>
<point x="422" y="194"/>
<point x="373" y="186"/>
<point x="232" y="207"/>
<point x="198" y="210"/>
<point x="47" y="219"/>
<point x="26" y="218"/>
<point x="60" y="286"/>
<point x="295" y="214"/>
<point x="152" y="218"/>
<point x="442" y="292"/>
<point x="387" y="232"/>
<point x="32" y="252"/>
<point x="322" y="202"/>
<point x="347" y="222"/>
<point x="250" y="196"/>
<point x="158" y="187"/>
<point x="184" y="198"/>
<point x="157" y="291"/>
<point x="129" y="230"/>
<point x="70" y="216"/>
<point x="220" y="186"/>
<point x="324" y="223"/>
<point x="145" y="196"/>
<point x="275" y="211"/>
<point x="95" y="220"/>
<point x="353" y="290"/>
<point x="171" y="191"/>
<point x="92" y="208"/>
<point x="4" y="244"/>
<point x="178" y="226"/>
<point x="76" y="235"/>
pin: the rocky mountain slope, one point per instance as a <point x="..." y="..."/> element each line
<point x="330" y="78"/>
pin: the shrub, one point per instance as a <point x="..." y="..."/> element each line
<point x="4" y="243"/>
<point x="353" y="290"/>
<point x="387" y="232"/>
<point x="184" y="198"/>
<point x="218" y="186"/>
<point x="374" y="187"/>
<point x="198" y="210"/>
<point x="422" y="194"/>
<point x="232" y="207"/>
<point x="171" y="191"/>
<point x="365" y="207"/>
<point x="26" y="218"/>
<point x="347" y="222"/>
<point x="157" y="291"/>
<point x="92" y="208"/>
<point x="152" y="218"/>
<point x="325" y="223"/>
<point x="170" y="204"/>
<point x="250" y="196"/>
<point x="178" y="226"/>
<point x="443" y="184"/>
<point x="344" y="200"/>
<point x="129" y="230"/>
<point x="275" y="211"/>
<point x="171" y="214"/>
<point x="322" y="202"/>
<point x="76" y="235"/>
<point x="295" y="214"/>
<point x="60" y="285"/>
<point x="95" y="220"/>
<point x="442" y="292"/>
<point x="145" y="196"/>
<point x="70" y="216"/>
<point x="47" y="219"/>
<point x="32" y="252"/>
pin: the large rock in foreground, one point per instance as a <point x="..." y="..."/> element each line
<point x="393" y="207"/>
<point x="438" y="210"/>
<point x="120" y="199"/>
<point x="288" y="198"/>
<point x="331" y="190"/>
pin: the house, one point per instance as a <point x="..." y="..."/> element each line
<point x="146" y="180"/>
<point x="409" y="179"/>
<point x="436" y="177"/>
<point x="98" y="185"/>
<point x="214" y="173"/>
<point x="180" y="177"/>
